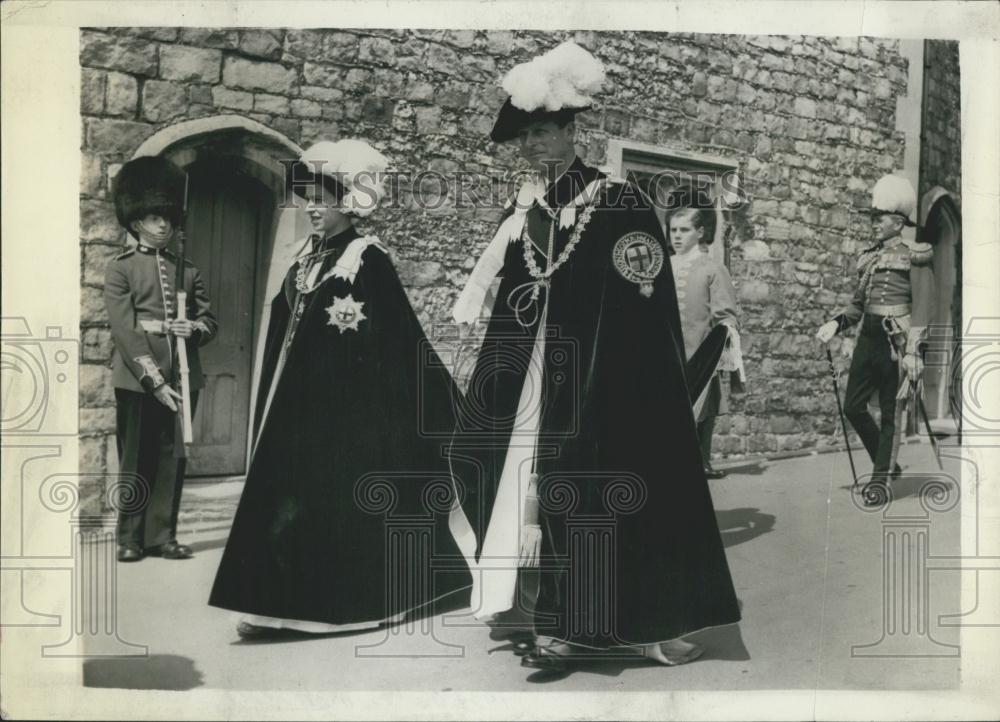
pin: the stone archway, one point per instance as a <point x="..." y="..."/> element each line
<point x="242" y="240"/>
<point x="191" y="129"/>
<point x="941" y="226"/>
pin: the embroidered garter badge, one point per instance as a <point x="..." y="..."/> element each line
<point x="639" y="259"/>
<point x="345" y="313"/>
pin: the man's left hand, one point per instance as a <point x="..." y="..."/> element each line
<point x="181" y="328"/>
<point x="913" y="366"/>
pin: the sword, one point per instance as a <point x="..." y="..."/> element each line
<point x="918" y="392"/>
<point x="840" y="410"/>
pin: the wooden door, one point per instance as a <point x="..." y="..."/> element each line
<point x="229" y="215"/>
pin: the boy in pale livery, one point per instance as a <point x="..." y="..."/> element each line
<point x="705" y="299"/>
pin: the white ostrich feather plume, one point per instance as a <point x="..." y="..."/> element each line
<point x="355" y="164"/>
<point x="894" y="193"/>
<point x="565" y="77"/>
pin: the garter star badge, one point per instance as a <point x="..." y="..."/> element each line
<point x="639" y="259"/>
<point x="345" y="313"/>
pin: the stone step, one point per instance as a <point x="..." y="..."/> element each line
<point x="207" y="508"/>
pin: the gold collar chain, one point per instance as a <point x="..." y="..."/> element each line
<point x="305" y="266"/>
<point x="542" y="277"/>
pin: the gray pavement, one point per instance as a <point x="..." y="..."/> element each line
<point x="807" y="563"/>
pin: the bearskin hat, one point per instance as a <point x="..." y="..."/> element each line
<point x="150" y="184"/>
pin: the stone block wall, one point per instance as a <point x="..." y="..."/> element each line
<point x="810" y="121"/>
<point x="941" y="160"/>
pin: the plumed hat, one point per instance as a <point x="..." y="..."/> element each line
<point x="894" y="194"/>
<point x="553" y="86"/>
<point x="351" y="169"/>
<point x="150" y="184"/>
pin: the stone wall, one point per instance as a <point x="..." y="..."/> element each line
<point x="809" y="120"/>
<point x="941" y="159"/>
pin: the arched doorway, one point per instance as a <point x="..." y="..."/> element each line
<point x="228" y="225"/>
<point x="942" y="228"/>
<point x="241" y="241"/>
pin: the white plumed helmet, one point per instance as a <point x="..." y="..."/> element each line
<point x="894" y="194"/>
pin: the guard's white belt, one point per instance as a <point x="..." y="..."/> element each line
<point x="900" y="309"/>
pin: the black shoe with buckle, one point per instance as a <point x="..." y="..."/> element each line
<point x="172" y="550"/>
<point x="129" y="553"/>
<point x="546" y="660"/>
<point x="523" y="645"/>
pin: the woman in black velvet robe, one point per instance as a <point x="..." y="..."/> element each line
<point x="343" y="522"/>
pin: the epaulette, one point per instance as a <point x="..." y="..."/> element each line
<point x="125" y="254"/>
<point x="921" y="254"/>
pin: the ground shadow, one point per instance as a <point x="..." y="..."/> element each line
<point x="157" y="671"/>
<point x="720" y="643"/>
<point x="911" y="485"/>
<point x="751" y="468"/>
<point x="201" y="546"/>
<point x="917" y="484"/>
<point x="741" y="525"/>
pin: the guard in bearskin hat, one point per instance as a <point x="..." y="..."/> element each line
<point x="141" y="298"/>
<point x="893" y="303"/>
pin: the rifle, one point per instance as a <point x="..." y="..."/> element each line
<point x="181" y="369"/>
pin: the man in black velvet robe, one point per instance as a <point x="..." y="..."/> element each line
<point x="596" y="417"/>
<point x="343" y="523"/>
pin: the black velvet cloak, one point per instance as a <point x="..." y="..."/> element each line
<point x="631" y="547"/>
<point x="344" y="516"/>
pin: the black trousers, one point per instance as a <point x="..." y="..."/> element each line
<point x="706" y="419"/>
<point x="706" y="427"/>
<point x="152" y="477"/>
<point x="873" y="370"/>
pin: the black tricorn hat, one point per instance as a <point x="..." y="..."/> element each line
<point x="511" y="119"/>
<point x="150" y="184"/>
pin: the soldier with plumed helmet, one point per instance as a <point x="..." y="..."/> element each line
<point x="892" y="303"/>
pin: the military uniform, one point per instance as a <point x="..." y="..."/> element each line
<point x="895" y="286"/>
<point x="140" y="294"/>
